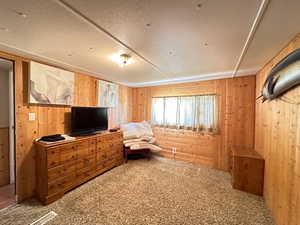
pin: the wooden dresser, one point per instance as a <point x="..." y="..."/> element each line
<point x="64" y="165"/>
<point x="247" y="170"/>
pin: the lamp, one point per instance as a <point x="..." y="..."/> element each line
<point x="122" y="60"/>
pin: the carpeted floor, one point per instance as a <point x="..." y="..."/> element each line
<point x="159" y="191"/>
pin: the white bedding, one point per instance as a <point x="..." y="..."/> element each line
<point x="145" y="145"/>
<point x="136" y="130"/>
<point x="139" y="136"/>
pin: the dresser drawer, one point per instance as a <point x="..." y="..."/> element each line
<point x="100" y="156"/>
<point x="53" y="157"/>
<point x="110" y="164"/>
<point x="100" y="166"/>
<point x="83" y="149"/>
<point x="85" y="173"/>
<point x="54" y="187"/>
<point x="102" y="146"/>
<point x="61" y="184"/>
<point x="60" y="171"/>
<point x="93" y="143"/>
<point x="68" y="153"/>
<point x="86" y="162"/>
<point x="68" y="181"/>
<point x="100" y="139"/>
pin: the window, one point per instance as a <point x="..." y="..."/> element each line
<point x="196" y="113"/>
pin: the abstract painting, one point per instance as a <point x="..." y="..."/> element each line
<point x="50" y="85"/>
<point x="107" y="94"/>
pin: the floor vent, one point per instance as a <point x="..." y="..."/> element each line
<point x="43" y="220"/>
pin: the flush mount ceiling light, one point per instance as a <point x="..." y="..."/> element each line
<point x="122" y="60"/>
<point x="21" y="14"/>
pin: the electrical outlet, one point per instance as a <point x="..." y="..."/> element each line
<point x="31" y="116"/>
<point x="173" y="150"/>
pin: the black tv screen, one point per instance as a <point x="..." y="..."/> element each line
<point x="89" y="119"/>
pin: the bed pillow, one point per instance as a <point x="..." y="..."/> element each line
<point x="136" y="130"/>
<point x="130" y="131"/>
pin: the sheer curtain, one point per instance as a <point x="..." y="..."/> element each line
<point x="196" y="113"/>
<point x="158" y="111"/>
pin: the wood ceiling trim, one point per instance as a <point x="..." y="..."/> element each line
<point x="201" y="77"/>
<point x="258" y="18"/>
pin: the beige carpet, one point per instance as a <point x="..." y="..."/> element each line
<point x="159" y="191"/>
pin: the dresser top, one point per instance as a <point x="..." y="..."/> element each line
<point x="77" y="139"/>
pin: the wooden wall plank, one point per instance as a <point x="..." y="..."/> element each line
<point x="51" y="119"/>
<point x="236" y="110"/>
<point x="4" y="156"/>
<point x="277" y="135"/>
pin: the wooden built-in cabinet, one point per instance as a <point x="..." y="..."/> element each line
<point x="64" y="165"/>
<point x="247" y="170"/>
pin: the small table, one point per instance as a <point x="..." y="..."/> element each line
<point x="128" y="151"/>
<point x="247" y="170"/>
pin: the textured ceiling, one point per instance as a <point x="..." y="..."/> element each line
<point x="180" y="41"/>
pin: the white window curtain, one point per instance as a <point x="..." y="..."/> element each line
<point x="196" y="113"/>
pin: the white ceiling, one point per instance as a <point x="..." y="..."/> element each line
<point x="182" y="43"/>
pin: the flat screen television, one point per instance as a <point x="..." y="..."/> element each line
<point x="88" y="120"/>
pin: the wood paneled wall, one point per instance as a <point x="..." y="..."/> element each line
<point x="277" y="138"/>
<point x="51" y="119"/>
<point x="4" y="156"/>
<point x="236" y="110"/>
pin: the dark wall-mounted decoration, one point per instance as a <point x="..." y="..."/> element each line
<point x="284" y="76"/>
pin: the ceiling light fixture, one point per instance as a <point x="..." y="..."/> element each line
<point x="199" y="6"/>
<point x="21" y="14"/>
<point x="122" y="59"/>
